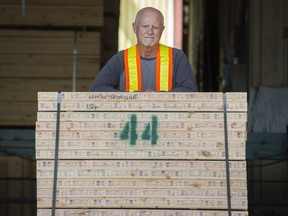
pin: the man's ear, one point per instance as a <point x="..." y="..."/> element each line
<point x="134" y="27"/>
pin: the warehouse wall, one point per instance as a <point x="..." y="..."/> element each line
<point x="268" y="54"/>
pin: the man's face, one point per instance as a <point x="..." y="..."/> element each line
<point x="149" y="28"/>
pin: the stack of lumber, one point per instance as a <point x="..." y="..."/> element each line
<point x="141" y="153"/>
<point x="33" y="61"/>
<point x="44" y="49"/>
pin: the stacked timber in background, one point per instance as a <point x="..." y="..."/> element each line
<point x="41" y="60"/>
<point x="42" y="44"/>
<point x="141" y="154"/>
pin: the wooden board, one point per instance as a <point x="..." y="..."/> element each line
<point x="35" y="85"/>
<point x="55" y="2"/>
<point x="144" y="96"/>
<point x="151" y="169"/>
<point x="134" y="105"/>
<point x="143" y="150"/>
<point x="23" y="66"/>
<point x="48" y="42"/>
<point x="110" y="183"/>
<point x="52" y="15"/>
<point x="111" y="136"/>
<point x="138" y="212"/>
<point x="168" y="101"/>
<point x="142" y="124"/>
<point x="162" y="116"/>
<point x="134" y="202"/>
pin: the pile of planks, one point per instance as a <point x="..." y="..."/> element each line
<point x="141" y="153"/>
<point x="39" y="60"/>
<point x="44" y="46"/>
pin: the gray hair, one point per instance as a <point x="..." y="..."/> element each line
<point x="136" y="22"/>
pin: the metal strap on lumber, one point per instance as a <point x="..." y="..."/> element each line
<point x="56" y="153"/>
<point x="227" y="155"/>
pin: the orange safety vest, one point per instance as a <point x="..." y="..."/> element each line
<point x="132" y="64"/>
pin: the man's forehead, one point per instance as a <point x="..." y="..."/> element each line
<point x="147" y="19"/>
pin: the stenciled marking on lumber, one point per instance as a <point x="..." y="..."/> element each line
<point x="158" y="96"/>
<point x="129" y="131"/>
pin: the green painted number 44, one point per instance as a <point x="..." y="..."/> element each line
<point x="150" y="132"/>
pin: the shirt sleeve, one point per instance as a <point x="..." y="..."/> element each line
<point x="183" y="77"/>
<point x="108" y="78"/>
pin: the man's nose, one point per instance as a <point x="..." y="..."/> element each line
<point x="150" y="31"/>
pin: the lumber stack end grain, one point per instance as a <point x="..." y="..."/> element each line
<point x="141" y="153"/>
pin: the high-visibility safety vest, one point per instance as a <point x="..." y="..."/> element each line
<point x="163" y="70"/>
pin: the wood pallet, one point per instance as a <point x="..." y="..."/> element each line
<point x="141" y="153"/>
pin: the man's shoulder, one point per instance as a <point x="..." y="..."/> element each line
<point x="178" y="53"/>
<point x="118" y="55"/>
<point x="175" y="50"/>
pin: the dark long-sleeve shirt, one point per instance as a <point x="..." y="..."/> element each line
<point x="112" y="76"/>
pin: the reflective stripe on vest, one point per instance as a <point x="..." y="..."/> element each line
<point x="163" y="70"/>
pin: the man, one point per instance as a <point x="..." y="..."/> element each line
<point x="148" y="65"/>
